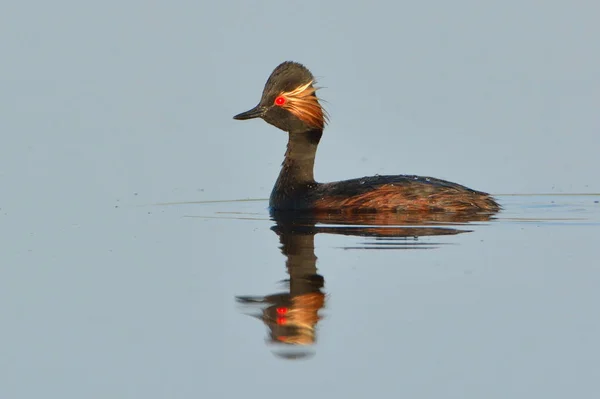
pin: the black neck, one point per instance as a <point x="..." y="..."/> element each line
<point x="297" y="169"/>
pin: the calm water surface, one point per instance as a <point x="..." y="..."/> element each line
<point x="220" y="300"/>
<point x="488" y="308"/>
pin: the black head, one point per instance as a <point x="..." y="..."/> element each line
<point x="289" y="101"/>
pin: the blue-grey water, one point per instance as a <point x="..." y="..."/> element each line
<point x="138" y="257"/>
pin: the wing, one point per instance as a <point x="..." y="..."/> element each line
<point x="401" y="193"/>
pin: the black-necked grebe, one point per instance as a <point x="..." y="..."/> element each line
<point x="289" y="102"/>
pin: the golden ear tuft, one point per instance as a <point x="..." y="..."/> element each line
<point x="304" y="104"/>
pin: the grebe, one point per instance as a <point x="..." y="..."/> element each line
<point x="289" y="102"/>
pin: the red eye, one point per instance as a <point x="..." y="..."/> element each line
<point x="280" y="101"/>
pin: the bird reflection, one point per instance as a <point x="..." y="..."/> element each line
<point x="292" y="316"/>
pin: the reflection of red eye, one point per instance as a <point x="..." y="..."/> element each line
<point x="280" y="101"/>
<point x="281" y="320"/>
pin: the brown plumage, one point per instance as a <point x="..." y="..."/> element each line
<point x="289" y="102"/>
<point x="402" y="194"/>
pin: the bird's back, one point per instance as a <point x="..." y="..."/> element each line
<point x="401" y="193"/>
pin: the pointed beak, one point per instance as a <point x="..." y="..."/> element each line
<point x="255" y="112"/>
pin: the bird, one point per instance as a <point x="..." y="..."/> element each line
<point x="289" y="102"/>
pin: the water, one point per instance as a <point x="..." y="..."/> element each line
<point x="143" y="303"/>
<point x="497" y="308"/>
<point x="485" y="309"/>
